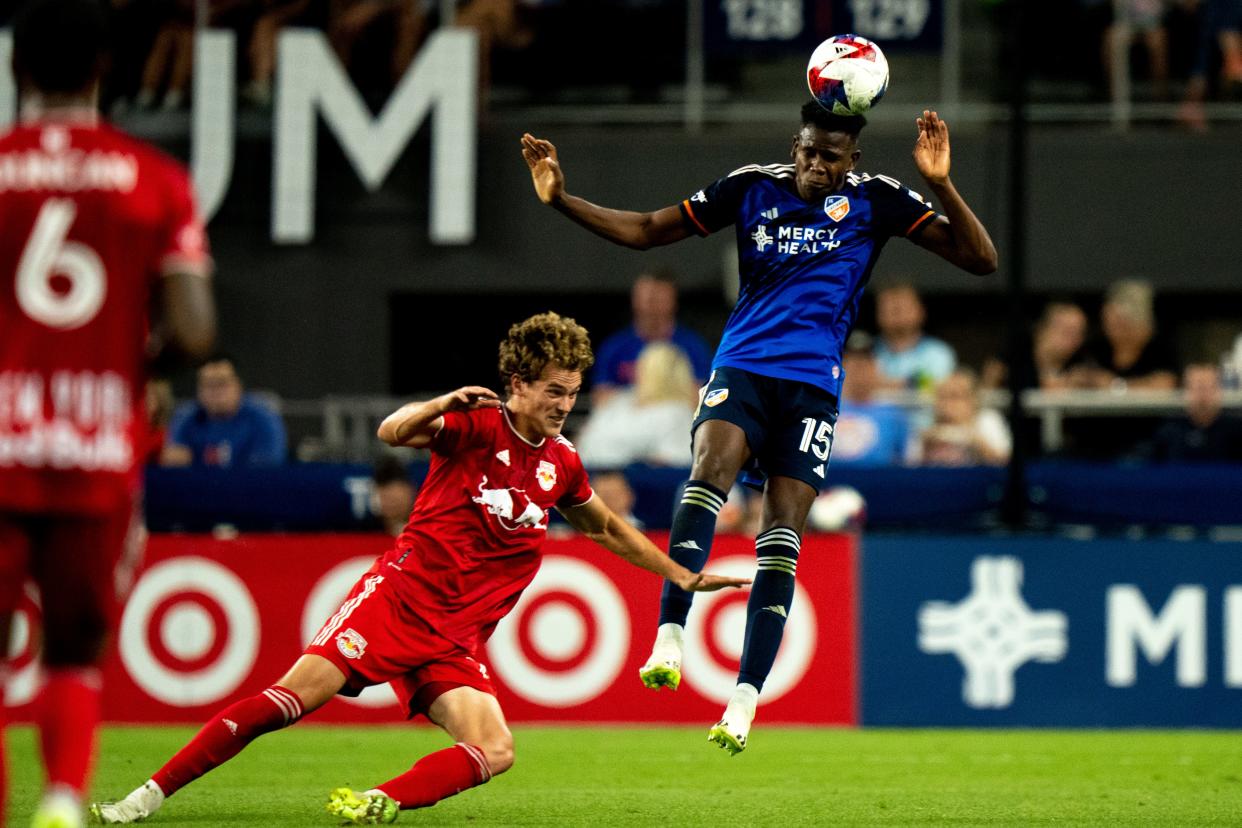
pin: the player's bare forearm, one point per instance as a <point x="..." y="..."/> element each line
<point x="966" y="242"/>
<point x="414" y="424"/>
<point x="628" y="228"/>
<point x="605" y="527"/>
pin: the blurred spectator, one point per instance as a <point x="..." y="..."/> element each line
<point x="1144" y="20"/>
<point x="401" y="24"/>
<point x="274" y="15"/>
<point x="653" y="300"/>
<point x="1130" y="355"/>
<point x="500" y="24"/>
<point x="907" y="357"/>
<point x="614" y="490"/>
<point x="393" y="495"/>
<point x="170" y="63"/>
<point x="648" y="423"/>
<point x="1205" y="433"/>
<point x="1058" y="338"/>
<point x="740" y="514"/>
<point x="868" y="432"/>
<point x="159" y="414"/>
<point x="1220" y="36"/>
<point x="963" y="433"/>
<point x="224" y="426"/>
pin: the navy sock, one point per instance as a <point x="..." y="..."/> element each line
<point x="690" y="542"/>
<point x="771" y="596"/>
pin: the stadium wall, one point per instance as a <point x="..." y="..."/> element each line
<point x="212" y="620"/>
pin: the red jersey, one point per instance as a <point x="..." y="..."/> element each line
<point x="89" y="220"/>
<point x="473" y="539"/>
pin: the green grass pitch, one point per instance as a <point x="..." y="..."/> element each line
<point x="672" y="776"/>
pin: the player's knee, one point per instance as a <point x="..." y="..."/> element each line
<point x="499" y="753"/>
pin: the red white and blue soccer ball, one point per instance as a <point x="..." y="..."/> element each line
<point x="847" y="74"/>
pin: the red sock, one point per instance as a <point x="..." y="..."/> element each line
<point x="68" y="715"/>
<point x="226" y="734"/>
<point x="438" y="776"/>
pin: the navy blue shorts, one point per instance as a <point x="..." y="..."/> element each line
<point x="788" y="424"/>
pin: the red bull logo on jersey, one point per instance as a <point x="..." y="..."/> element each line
<point x="351" y="643"/>
<point x="837" y="207"/>
<point x="546" y="475"/>
<point x="512" y="508"/>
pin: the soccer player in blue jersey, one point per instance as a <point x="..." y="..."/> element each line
<point x="808" y="235"/>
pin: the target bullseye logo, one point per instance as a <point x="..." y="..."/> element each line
<point x="567" y="638"/>
<point x="324" y="600"/>
<point x="716" y="631"/>
<point x="23" y="649"/>
<point x="190" y="633"/>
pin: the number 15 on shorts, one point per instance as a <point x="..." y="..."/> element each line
<point x="816" y="438"/>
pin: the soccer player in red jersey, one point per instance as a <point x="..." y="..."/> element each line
<point x="97" y="230"/>
<point x="419" y="617"/>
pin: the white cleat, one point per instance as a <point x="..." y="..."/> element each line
<point x="663" y="668"/>
<point x="733" y="729"/>
<point x="140" y="804"/>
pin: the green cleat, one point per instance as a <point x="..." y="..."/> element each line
<point x="362" y="809"/>
<point x="656" y="675"/>
<point x="721" y="735"/>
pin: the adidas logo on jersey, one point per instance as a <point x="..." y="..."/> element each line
<point x="819" y="470"/>
<point x="771" y="214"/>
<point x="231" y="725"/>
<point x="688" y="545"/>
<point x="503" y="456"/>
<point x="778" y="609"/>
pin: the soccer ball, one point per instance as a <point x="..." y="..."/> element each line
<point x="840" y="509"/>
<point x="848" y="74"/>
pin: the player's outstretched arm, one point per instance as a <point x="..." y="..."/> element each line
<point x="962" y="239"/>
<point x="414" y="424"/>
<point x="605" y="527"/>
<point x="625" y="227"/>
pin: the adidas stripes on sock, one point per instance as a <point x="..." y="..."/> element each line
<point x="771" y="596"/>
<point x="224" y="736"/>
<point x="690" y="542"/>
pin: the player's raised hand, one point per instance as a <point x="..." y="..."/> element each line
<point x="702" y="582"/>
<point x="545" y="170"/>
<point x="931" y="150"/>
<point x="470" y="397"/>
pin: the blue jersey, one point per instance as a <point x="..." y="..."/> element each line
<point x="803" y="265"/>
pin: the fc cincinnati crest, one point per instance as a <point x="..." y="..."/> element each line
<point x="546" y="475"/>
<point x="351" y="643"/>
<point x="837" y="207"/>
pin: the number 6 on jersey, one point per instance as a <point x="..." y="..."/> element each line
<point x="47" y="254"/>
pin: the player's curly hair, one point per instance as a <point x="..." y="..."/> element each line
<point x="815" y="115"/>
<point x="544" y="339"/>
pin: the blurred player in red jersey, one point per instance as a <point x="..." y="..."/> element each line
<point x="98" y="235"/>
<point x="420" y="616"/>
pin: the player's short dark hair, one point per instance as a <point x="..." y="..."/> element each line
<point x="60" y="46"/>
<point x="542" y="340"/>
<point x="815" y="115"/>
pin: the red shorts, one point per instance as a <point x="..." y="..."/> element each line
<point x="82" y="564"/>
<point x="375" y="637"/>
